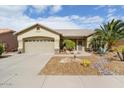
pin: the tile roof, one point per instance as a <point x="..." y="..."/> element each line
<point x="5" y="31"/>
<point x="75" y="32"/>
<point x="35" y="25"/>
<point x="64" y="32"/>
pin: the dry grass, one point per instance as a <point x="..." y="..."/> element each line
<point x="54" y="67"/>
<point x="116" y="67"/>
<point x="115" y="64"/>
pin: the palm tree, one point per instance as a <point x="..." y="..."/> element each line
<point x="110" y="33"/>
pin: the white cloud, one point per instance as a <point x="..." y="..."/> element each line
<point x="104" y="6"/>
<point x="75" y="17"/>
<point x="100" y="6"/>
<point x="52" y="22"/>
<point x="110" y="13"/>
<point x="116" y="17"/>
<point x="111" y="10"/>
<point x="13" y="17"/>
<point x="24" y="21"/>
<point x="10" y="11"/>
<point x="59" y="22"/>
<point x="87" y="22"/>
<point x="56" y="8"/>
<point x="92" y="19"/>
<point x="122" y="6"/>
<point x="40" y="8"/>
<point x="69" y="22"/>
<point x="52" y="8"/>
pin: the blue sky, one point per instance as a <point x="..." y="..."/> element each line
<point x="81" y="10"/>
<point x="58" y="16"/>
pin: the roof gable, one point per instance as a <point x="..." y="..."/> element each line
<point x="36" y="25"/>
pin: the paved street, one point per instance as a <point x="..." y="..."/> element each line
<point x="21" y="71"/>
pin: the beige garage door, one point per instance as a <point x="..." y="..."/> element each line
<point x="39" y="45"/>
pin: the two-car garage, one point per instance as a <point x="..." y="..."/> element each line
<point x="39" y="45"/>
<point x="38" y="39"/>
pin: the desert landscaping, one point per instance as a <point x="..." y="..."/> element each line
<point x="72" y="66"/>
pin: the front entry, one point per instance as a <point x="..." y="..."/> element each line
<point x="79" y="45"/>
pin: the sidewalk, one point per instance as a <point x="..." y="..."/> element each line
<point x="65" y="82"/>
<point x="84" y="82"/>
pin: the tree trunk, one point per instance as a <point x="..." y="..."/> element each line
<point x="122" y="56"/>
<point x="119" y="55"/>
<point x="109" y="46"/>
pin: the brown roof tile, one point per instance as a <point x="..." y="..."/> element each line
<point x="75" y="32"/>
<point x="5" y="31"/>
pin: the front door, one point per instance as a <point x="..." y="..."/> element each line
<point x="79" y="46"/>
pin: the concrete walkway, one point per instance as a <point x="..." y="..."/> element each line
<point x="81" y="53"/>
<point x="21" y="71"/>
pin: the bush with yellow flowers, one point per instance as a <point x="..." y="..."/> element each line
<point x="120" y="52"/>
<point x="85" y="62"/>
<point x="120" y="49"/>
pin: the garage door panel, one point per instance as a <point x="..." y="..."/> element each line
<point x="39" y="46"/>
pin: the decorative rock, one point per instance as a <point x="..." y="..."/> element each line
<point x="100" y="66"/>
<point x="69" y="60"/>
<point x="65" y="60"/>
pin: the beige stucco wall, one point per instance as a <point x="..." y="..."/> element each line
<point x="88" y="41"/>
<point x="34" y="32"/>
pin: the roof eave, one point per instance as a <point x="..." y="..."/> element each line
<point x="40" y="26"/>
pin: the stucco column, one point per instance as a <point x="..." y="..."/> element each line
<point x="76" y="44"/>
<point x="20" y="45"/>
<point x="57" y="45"/>
<point x="83" y="46"/>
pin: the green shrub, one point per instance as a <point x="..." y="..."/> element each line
<point x="1" y="49"/>
<point x="69" y="44"/>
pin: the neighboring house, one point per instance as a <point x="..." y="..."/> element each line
<point x="39" y="38"/>
<point x="8" y="39"/>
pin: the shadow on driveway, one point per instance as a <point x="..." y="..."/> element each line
<point x="5" y="56"/>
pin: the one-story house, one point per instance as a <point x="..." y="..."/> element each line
<point x="8" y="39"/>
<point x="39" y="38"/>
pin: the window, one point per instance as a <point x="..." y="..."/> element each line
<point x="52" y="40"/>
<point x="26" y="40"/>
<point x="38" y="28"/>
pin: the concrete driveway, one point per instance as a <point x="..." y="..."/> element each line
<point x="21" y="71"/>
